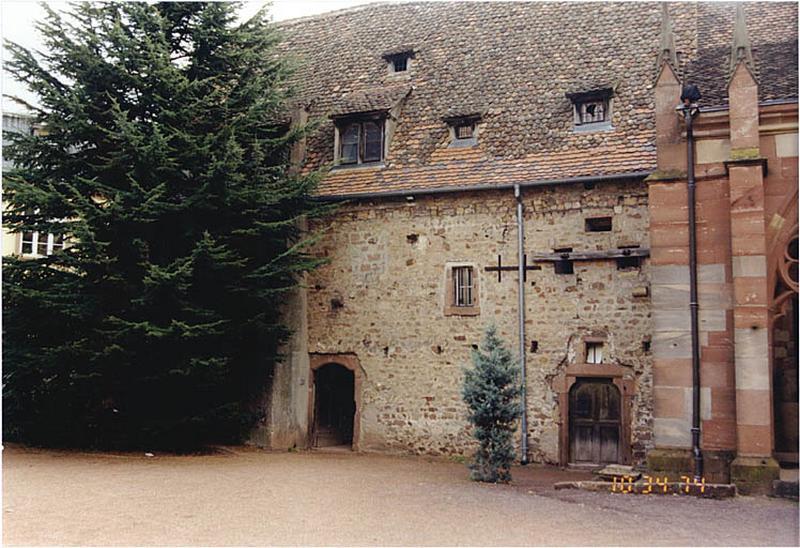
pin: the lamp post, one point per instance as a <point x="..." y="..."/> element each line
<point x="689" y="97"/>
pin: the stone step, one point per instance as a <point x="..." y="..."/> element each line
<point x="618" y="471"/>
<point x="328" y="438"/>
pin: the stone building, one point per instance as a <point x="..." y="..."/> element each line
<point x="30" y="243"/>
<point x="439" y="120"/>
<point x="458" y="134"/>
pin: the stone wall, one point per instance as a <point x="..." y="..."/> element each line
<point x="382" y="298"/>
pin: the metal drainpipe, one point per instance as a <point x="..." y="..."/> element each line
<point x="521" y="290"/>
<point x="693" y="305"/>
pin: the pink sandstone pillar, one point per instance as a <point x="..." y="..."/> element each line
<point x="754" y="464"/>
<point x="669" y="253"/>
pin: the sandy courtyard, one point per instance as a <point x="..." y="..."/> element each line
<point x="248" y="497"/>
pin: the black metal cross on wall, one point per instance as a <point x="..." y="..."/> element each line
<point x="500" y="268"/>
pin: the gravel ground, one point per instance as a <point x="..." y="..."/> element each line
<point x="249" y="497"/>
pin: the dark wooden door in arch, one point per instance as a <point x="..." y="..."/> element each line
<point x="594" y="421"/>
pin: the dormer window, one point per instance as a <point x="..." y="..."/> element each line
<point x="463" y="130"/>
<point x="361" y="141"/>
<point x="591" y="112"/>
<point x="591" y="109"/>
<point x="399" y="62"/>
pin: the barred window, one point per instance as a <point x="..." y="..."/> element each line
<point x="592" y="111"/>
<point x="465" y="131"/>
<point x="461" y="292"/>
<point x="463" y="286"/>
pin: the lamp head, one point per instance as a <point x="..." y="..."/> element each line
<point x="689" y="97"/>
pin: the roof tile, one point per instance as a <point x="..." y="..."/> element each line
<point x="513" y="62"/>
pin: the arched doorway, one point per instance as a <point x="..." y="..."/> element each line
<point x="594" y="421"/>
<point x="346" y="361"/>
<point x="334" y="406"/>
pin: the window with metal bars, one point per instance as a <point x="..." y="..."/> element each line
<point x="463" y="286"/>
<point x="592" y="109"/>
<point x="465" y="131"/>
<point x="591" y="112"/>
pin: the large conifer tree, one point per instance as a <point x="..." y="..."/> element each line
<point x="164" y="162"/>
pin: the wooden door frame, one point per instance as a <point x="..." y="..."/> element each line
<point x="627" y="391"/>
<point x="350" y="362"/>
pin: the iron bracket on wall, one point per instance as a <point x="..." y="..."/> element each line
<point x="619" y="253"/>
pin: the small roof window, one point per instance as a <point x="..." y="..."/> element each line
<point x="399" y="61"/>
<point x="591" y="109"/>
<point x="463" y="130"/>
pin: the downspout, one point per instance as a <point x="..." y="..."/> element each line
<point x="689" y="112"/>
<point x="521" y="304"/>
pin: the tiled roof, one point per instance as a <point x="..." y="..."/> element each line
<point x="467" y="167"/>
<point x="772" y="27"/>
<point x="377" y="98"/>
<point x="514" y="63"/>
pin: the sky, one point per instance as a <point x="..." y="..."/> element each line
<point x="19" y="17"/>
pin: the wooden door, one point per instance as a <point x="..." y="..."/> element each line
<point x="594" y="422"/>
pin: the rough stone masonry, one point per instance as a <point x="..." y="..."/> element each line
<point x="382" y="298"/>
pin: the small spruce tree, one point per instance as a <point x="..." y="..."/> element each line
<point x="165" y="163"/>
<point x="491" y="391"/>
